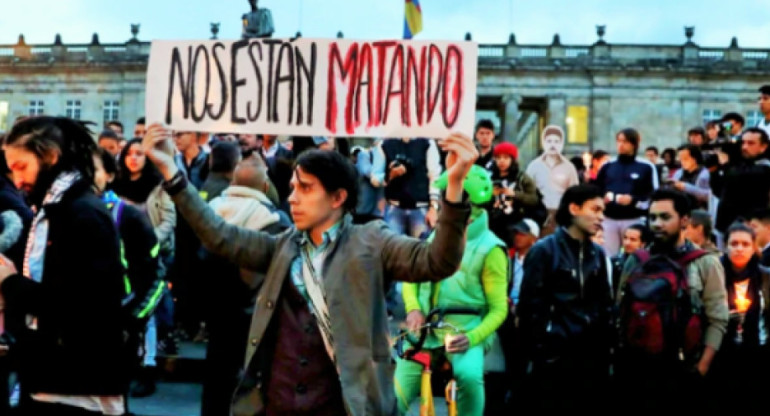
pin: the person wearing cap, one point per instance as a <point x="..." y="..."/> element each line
<point x="552" y="172"/>
<point x="626" y="184"/>
<point x="480" y="283"/>
<point x="514" y="191"/>
<point x="525" y="233"/>
<point x="324" y="142"/>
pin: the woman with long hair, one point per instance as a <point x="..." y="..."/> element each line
<point x="139" y="183"/>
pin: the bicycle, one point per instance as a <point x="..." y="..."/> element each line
<point x="417" y="355"/>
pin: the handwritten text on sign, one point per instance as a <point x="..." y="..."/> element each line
<point x="314" y="87"/>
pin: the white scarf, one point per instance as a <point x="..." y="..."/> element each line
<point x="34" y="256"/>
<point x="317" y="294"/>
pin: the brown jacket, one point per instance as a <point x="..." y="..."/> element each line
<point x="357" y="271"/>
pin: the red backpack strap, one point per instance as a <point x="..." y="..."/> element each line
<point x="643" y="255"/>
<point x="691" y="256"/>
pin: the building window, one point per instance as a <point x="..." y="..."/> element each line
<point x="36" y="108"/>
<point x="111" y="111"/>
<point x="73" y="109"/>
<point x="711" y="114"/>
<point x="577" y="124"/>
<point x="753" y="118"/>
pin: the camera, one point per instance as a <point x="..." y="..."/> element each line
<point x="402" y="160"/>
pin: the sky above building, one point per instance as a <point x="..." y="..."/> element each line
<point x="489" y="21"/>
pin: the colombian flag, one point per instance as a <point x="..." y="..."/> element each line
<point x="412" y="19"/>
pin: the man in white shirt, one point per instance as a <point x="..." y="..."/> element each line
<point x="552" y="172"/>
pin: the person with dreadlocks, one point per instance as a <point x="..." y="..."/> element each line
<point x="480" y="283"/>
<point x="70" y="287"/>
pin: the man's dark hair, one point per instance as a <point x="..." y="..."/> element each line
<point x="334" y="171"/>
<point x="739" y="227"/>
<point x="697" y="131"/>
<point x="577" y="195"/>
<point x="703" y="218"/>
<point x="632" y="136"/>
<point x="644" y="233"/>
<point x="671" y="154"/>
<point x="762" y="214"/>
<point x="680" y="200"/>
<point x="765" y="89"/>
<point x="140" y="120"/>
<point x="108" y="134"/>
<point x="653" y="149"/>
<point x="485" y="124"/>
<point x="108" y="161"/>
<point x="763" y="137"/>
<point x="599" y="154"/>
<point x="71" y="139"/>
<point x="694" y="151"/>
<point x="734" y="117"/>
<point x="115" y="123"/>
<point x="224" y="157"/>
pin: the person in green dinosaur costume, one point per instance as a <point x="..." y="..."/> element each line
<point x="480" y="283"/>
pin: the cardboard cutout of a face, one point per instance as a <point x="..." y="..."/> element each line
<point x="552" y="140"/>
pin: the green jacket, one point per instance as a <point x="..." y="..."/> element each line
<point x="361" y="263"/>
<point x="465" y="289"/>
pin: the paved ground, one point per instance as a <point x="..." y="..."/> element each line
<point x="171" y="399"/>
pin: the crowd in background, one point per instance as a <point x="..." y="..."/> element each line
<point x="703" y="202"/>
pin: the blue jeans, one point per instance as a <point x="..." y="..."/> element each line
<point x="409" y="222"/>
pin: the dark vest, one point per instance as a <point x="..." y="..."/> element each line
<point x="303" y="380"/>
<point x="414" y="186"/>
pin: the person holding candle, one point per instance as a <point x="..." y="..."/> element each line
<point x="744" y="351"/>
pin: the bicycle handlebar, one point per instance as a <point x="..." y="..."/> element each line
<point x="429" y="324"/>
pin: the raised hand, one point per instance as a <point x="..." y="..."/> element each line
<point x="159" y="147"/>
<point x="462" y="154"/>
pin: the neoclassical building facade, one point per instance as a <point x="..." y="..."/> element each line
<point x="592" y="91"/>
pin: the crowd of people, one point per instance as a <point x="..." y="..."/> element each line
<point x="631" y="277"/>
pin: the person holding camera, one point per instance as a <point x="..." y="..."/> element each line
<point x="745" y="186"/>
<point x="514" y="191"/>
<point x="407" y="169"/>
<point x="693" y="179"/>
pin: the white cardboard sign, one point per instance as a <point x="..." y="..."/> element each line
<point x="314" y="87"/>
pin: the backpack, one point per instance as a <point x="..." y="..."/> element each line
<point x="657" y="315"/>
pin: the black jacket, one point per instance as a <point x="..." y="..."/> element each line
<point x="565" y="308"/>
<point x="140" y="246"/>
<point x="765" y="261"/>
<point x="77" y="347"/>
<point x="759" y="295"/>
<point x="630" y="176"/>
<point x="745" y="189"/>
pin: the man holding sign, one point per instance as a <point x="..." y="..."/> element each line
<point x="318" y="342"/>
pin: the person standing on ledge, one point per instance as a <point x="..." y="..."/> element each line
<point x="318" y="342"/>
<point x="258" y="23"/>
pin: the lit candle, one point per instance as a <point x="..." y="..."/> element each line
<point x="742" y="304"/>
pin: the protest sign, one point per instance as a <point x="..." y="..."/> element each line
<point x="314" y="87"/>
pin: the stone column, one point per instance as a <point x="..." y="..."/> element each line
<point x="512" y="114"/>
<point x="600" y="134"/>
<point x="557" y="110"/>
